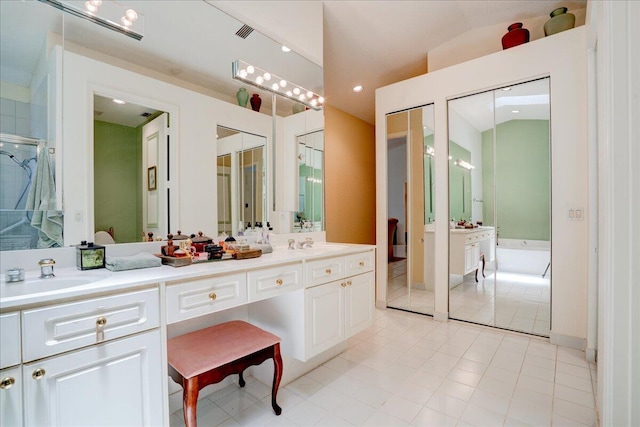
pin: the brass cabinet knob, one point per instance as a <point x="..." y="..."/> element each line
<point x="328" y="271"/>
<point x="344" y="285"/>
<point x="38" y="374"/>
<point x="101" y="321"/>
<point x="349" y="283"/>
<point x="279" y="282"/>
<point x="7" y="382"/>
<point x="361" y="263"/>
<point x="213" y="296"/>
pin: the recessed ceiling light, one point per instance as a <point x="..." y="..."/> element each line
<point x="285" y="49"/>
<point x="358" y="88"/>
<point x="515" y="111"/>
<point x="119" y="101"/>
<point x="506" y="89"/>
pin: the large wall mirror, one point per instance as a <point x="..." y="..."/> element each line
<point x="310" y="215"/>
<point x="187" y="44"/>
<point x="500" y="208"/>
<point x="242" y="195"/>
<point x="410" y="209"/>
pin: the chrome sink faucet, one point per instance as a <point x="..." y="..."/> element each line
<point x="308" y="242"/>
<point x="15" y="274"/>
<point x="291" y="244"/>
<point x="46" y="268"/>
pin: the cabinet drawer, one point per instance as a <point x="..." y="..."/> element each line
<point x="269" y="282"/>
<point x="9" y="339"/>
<point x="186" y="300"/>
<point x="358" y="263"/>
<point x="65" y="327"/>
<point x="323" y="270"/>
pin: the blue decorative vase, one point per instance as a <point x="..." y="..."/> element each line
<point x="243" y="97"/>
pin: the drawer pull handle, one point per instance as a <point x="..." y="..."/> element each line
<point x="213" y="296"/>
<point x="38" y="374"/>
<point x="7" y="382"/>
<point x="279" y="282"/>
<point x="100" y="322"/>
<point x="344" y="285"/>
<point x="361" y="263"/>
<point x="328" y="271"/>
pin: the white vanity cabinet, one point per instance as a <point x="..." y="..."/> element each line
<point x="466" y="247"/>
<point x="90" y="362"/>
<point x="11" y="397"/>
<point x="336" y="310"/>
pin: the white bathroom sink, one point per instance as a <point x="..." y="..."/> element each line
<point x="62" y="280"/>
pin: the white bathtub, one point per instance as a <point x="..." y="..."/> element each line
<point x="523" y="256"/>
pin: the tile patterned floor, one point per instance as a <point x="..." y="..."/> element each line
<point x="513" y="301"/>
<point x="408" y="369"/>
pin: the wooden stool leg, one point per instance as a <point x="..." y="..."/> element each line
<point x="242" y="382"/>
<point x="190" y="401"/>
<point x="277" y="376"/>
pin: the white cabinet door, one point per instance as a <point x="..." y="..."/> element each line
<point x="325" y="307"/>
<point x="11" y="397"/>
<point x="113" y="384"/>
<point x="359" y="303"/>
<point x="9" y="339"/>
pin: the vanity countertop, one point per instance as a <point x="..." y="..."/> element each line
<point x="71" y="283"/>
<point x="429" y="228"/>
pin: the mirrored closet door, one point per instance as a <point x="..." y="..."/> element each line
<point x="500" y="208"/>
<point x="410" y="209"/>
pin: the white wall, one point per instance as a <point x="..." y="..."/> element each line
<point x="563" y="57"/>
<point x="194" y="118"/>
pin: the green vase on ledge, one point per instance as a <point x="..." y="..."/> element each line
<point x="560" y="21"/>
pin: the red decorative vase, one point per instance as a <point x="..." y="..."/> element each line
<point x="256" y="102"/>
<point x="516" y="35"/>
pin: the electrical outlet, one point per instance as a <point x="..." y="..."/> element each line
<point x="575" y="214"/>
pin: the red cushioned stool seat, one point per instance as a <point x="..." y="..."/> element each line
<point x="209" y="355"/>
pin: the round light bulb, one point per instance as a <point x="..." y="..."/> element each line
<point x="267" y="76"/>
<point x="243" y="73"/>
<point x="321" y="99"/>
<point x="125" y="21"/>
<point x="131" y="14"/>
<point x="302" y="97"/>
<point x="275" y="86"/>
<point x="309" y="94"/>
<point x="259" y="80"/>
<point x="250" y="69"/>
<point x="296" y="91"/>
<point x="289" y="93"/>
<point x="314" y="102"/>
<point x="90" y="7"/>
<point x="95" y="3"/>
<point x="285" y="49"/>
<point x="283" y="83"/>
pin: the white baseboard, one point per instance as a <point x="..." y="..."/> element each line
<point x="568" y="341"/>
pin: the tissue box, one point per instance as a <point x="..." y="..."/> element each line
<point x="90" y="256"/>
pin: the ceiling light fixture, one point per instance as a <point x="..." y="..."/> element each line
<point x="464" y="165"/>
<point x="506" y="89"/>
<point x="282" y="87"/>
<point x="119" y="101"/>
<point x="108" y="14"/>
<point x="286" y="49"/>
<point x="358" y="88"/>
<point x="515" y="111"/>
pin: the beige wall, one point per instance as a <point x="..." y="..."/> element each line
<point x="350" y="178"/>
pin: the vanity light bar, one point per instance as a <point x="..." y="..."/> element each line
<point x="463" y="164"/>
<point x="107" y="14"/>
<point x="270" y="82"/>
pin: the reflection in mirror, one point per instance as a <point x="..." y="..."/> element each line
<point x="31" y="67"/>
<point x="242" y="191"/>
<point x="310" y="216"/>
<point x="129" y="167"/>
<point x="500" y="179"/>
<point x="411" y="198"/>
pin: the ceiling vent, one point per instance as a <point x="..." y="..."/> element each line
<point x="145" y="114"/>
<point x="244" y="31"/>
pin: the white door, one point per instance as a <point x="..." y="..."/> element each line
<point x="11" y="397"/>
<point x="360" y="303"/>
<point x="158" y="209"/>
<point x="324" y="317"/>
<point x="113" y="384"/>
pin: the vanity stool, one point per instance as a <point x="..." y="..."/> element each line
<point x="481" y="259"/>
<point x="209" y="355"/>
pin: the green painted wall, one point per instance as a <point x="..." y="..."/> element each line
<point x="523" y="175"/>
<point x="118" y="180"/>
<point x="459" y="184"/>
